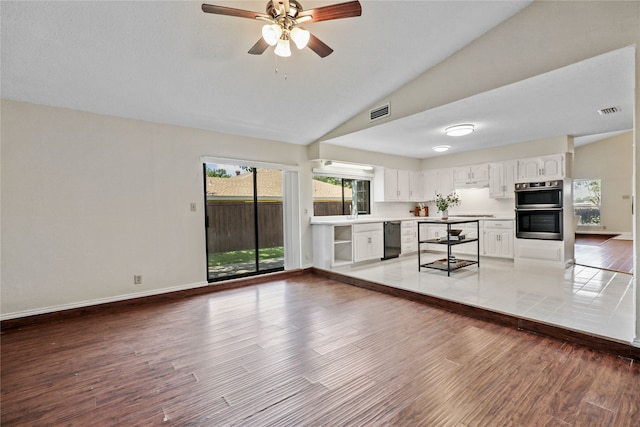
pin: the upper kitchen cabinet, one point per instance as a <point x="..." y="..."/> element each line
<point x="393" y="185"/>
<point x="416" y="186"/>
<point x="541" y="168"/>
<point x="502" y="179"/>
<point x="474" y="176"/>
<point x="437" y="181"/>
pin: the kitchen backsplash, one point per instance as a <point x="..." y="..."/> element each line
<point x="473" y="200"/>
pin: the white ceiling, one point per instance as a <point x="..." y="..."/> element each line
<point x="561" y="102"/>
<point x="168" y="62"/>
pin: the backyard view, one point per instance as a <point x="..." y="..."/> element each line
<point x="244" y="220"/>
<point x="586" y="200"/>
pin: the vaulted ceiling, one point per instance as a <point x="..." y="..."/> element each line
<point x="168" y="62"/>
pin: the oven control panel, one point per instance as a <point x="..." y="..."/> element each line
<point x="524" y="186"/>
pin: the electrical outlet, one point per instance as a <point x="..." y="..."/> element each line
<point x="137" y="279"/>
<point x="193" y="207"/>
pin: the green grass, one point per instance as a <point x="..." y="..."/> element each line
<point x="249" y="255"/>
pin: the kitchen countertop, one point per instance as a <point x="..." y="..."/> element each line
<point x="337" y="220"/>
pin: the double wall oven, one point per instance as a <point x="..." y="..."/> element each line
<point x="539" y="210"/>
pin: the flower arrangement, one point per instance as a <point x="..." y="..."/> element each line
<point x="445" y="202"/>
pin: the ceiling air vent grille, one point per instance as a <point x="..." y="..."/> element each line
<point x="379" y="112"/>
<point x="608" y="110"/>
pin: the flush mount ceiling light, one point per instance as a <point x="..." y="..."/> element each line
<point x="441" y="148"/>
<point x="459" y="130"/>
<point x="283" y="18"/>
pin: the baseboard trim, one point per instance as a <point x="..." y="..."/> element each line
<point x="598" y="343"/>
<point x="55" y="313"/>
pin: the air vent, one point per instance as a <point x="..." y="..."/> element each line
<point x="609" y="110"/>
<point x="379" y="112"/>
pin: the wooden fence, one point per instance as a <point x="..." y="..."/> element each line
<point x="331" y="208"/>
<point x="231" y="225"/>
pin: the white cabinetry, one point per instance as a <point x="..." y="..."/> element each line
<point x="409" y="237"/>
<point x="416" y="186"/>
<point x="470" y="231"/>
<point x="444" y="181"/>
<point x="471" y="176"/>
<point x="342" y="245"/>
<point x="437" y="181"/>
<point x="333" y="245"/>
<point x="394" y="185"/>
<point x="368" y="240"/>
<point x="498" y="239"/>
<point x="541" y="168"/>
<point x="502" y="179"/>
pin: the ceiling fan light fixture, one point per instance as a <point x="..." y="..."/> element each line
<point x="271" y="33"/>
<point x="441" y="148"/>
<point x="459" y="130"/>
<point x="282" y="48"/>
<point x="300" y="37"/>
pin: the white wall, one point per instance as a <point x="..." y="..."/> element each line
<point x="610" y="160"/>
<point x="89" y="200"/>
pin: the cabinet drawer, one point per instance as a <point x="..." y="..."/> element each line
<point x="506" y="224"/>
<point x="372" y="226"/>
<point x="408" y="231"/>
<point x="407" y="224"/>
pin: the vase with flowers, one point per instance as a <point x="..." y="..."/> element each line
<point x="445" y="202"/>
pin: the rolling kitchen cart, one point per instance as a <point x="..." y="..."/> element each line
<point x="447" y="264"/>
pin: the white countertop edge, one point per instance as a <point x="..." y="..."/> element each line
<point x="368" y="219"/>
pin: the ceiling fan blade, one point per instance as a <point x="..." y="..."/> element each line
<point x="318" y="46"/>
<point x="335" y="11"/>
<point x="230" y="11"/>
<point x="259" y="47"/>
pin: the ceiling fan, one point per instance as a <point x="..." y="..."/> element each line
<point x="283" y="18"/>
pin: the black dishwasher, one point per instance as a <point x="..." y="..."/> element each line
<point x="392" y="239"/>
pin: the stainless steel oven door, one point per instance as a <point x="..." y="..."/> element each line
<point x="542" y="224"/>
<point x="539" y="195"/>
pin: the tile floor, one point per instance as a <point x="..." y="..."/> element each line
<point x="581" y="298"/>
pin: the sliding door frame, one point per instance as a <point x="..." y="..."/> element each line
<point x="290" y="205"/>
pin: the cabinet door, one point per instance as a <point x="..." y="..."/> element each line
<point x="490" y="244"/>
<point x="361" y="246"/>
<point x="402" y="185"/>
<point x="510" y="173"/>
<point x="416" y="193"/>
<point x="505" y="238"/>
<point x="376" y="245"/>
<point x="502" y="179"/>
<point x="390" y="184"/>
<point x="436" y="232"/>
<point x="444" y="183"/>
<point x="496" y="180"/>
<point x="461" y="175"/>
<point x="470" y="231"/>
<point x="430" y="179"/>
<point x="479" y="173"/>
<point x="552" y="166"/>
<point x="529" y="169"/>
<point x="368" y="245"/>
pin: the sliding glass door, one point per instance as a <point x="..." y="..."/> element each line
<point x="244" y="220"/>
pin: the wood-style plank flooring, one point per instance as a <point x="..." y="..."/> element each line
<point x="610" y="254"/>
<point x="305" y="351"/>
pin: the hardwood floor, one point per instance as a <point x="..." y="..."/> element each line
<point x="304" y="351"/>
<point x="608" y="254"/>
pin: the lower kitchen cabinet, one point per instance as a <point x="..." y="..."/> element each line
<point x="409" y="237"/>
<point x="498" y="239"/>
<point x="368" y="241"/>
